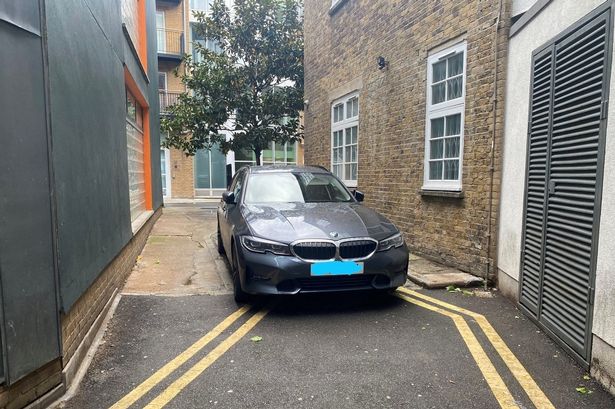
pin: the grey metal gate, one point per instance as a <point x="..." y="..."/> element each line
<point x="566" y="132"/>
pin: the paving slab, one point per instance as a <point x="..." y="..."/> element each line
<point x="180" y="256"/>
<point x="430" y="274"/>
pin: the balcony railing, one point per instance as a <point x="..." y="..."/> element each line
<point x="166" y="99"/>
<point x="170" y="42"/>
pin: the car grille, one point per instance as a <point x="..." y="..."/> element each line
<point x="357" y="249"/>
<point x="328" y="250"/>
<point x="316" y="250"/>
<point x="334" y="283"/>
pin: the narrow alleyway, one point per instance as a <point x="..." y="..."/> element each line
<point x="178" y="340"/>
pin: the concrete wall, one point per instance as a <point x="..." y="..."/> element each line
<point x="603" y="353"/>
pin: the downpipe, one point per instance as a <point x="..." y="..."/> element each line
<point x="493" y="137"/>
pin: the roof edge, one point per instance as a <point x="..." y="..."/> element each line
<point x="528" y="16"/>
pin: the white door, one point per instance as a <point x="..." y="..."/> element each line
<point x="160" y="31"/>
<point x="165" y="172"/>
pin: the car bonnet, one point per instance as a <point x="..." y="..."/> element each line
<point x="286" y="222"/>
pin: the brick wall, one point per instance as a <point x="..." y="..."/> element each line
<point x="173" y="16"/>
<point x="182" y="174"/>
<point x="33" y="386"/>
<point x="341" y="51"/>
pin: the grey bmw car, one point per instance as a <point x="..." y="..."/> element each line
<point x="298" y="229"/>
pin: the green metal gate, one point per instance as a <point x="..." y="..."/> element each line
<point x="566" y="132"/>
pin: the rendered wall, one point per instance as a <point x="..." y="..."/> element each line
<point x="552" y="20"/>
<point x="604" y="302"/>
<point x="556" y="17"/>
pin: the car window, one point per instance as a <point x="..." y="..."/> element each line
<point x="296" y="187"/>
<point x="237" y="186"/>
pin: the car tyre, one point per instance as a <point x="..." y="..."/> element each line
<point x="238" y="293"/>
<point x="220" y="244"/>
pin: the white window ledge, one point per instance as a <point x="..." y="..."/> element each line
<point x="455" y="194"/>
<point x="140" y="221"/>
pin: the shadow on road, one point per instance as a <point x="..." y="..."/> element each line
<point x="330" y="303"/>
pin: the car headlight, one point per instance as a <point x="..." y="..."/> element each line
<point x="258" y="245"/>
<point x="396" y="240"/>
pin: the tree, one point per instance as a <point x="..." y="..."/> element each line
<point x="251" y="87"/>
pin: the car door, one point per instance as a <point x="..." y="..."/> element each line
<point x="228" y="213"/>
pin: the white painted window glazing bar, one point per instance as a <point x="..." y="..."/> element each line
<point x="444" y="122"/>
<point x="345" y="139"/>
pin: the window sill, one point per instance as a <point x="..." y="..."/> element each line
<point x="336" y="6"/>
<point x="442" y="193"/>
<point x="141" y="220"/>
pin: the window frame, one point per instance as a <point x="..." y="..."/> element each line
<point x="166" y="81"/>
<point x="443" y="109"/>
<point x="285" y="161"/>
<point x="343" y="125"/>
<point x="136" y="123"/>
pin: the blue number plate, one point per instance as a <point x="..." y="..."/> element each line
<point x="336" y="268"/>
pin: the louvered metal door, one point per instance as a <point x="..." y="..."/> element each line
<point x="539" y="127"/>
<point x="566" y="139"/>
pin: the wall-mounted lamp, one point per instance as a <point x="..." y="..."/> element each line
<point x="382" y="63"/>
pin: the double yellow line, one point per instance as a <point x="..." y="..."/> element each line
<point x="490" y="373"/>
<point x="493" y="378"/>
<point x="192" y="373"/>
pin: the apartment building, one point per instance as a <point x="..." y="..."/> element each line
<point x="205" y="174"/>
<point x="80" y="178"/>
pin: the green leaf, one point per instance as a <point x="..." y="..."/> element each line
<point x="583" y="390"/>
<point x="586" y="377"/>
<point x="466" y="292"/>
<point x="256" y="338"/>
<point x="451" y="288"/>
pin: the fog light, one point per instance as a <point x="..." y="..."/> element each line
<point x="257" y="276"/>
<point x="381" y="281"/>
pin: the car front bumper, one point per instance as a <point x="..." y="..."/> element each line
<point x="265" y="273"/>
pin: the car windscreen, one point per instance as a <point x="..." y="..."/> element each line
<point x="296" y="187"/>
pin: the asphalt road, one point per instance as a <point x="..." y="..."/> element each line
<point x="334" y="351"/>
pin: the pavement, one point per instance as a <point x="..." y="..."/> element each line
<point x="429" y="274"/>
<point x="181" y="256"/>
<point x="193" y="347"/>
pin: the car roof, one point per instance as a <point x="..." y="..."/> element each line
<point x="286" y="168"/>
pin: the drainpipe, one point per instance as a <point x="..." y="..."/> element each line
<point x="185" y="3"/>
<point x="493" y="136"/>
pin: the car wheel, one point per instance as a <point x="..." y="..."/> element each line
<point x="220" y="244"/>
<point x="238" y="293"/>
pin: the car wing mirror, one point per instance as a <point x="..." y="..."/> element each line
<point x="359" y="196"/>
<point x="228" y="197"/>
